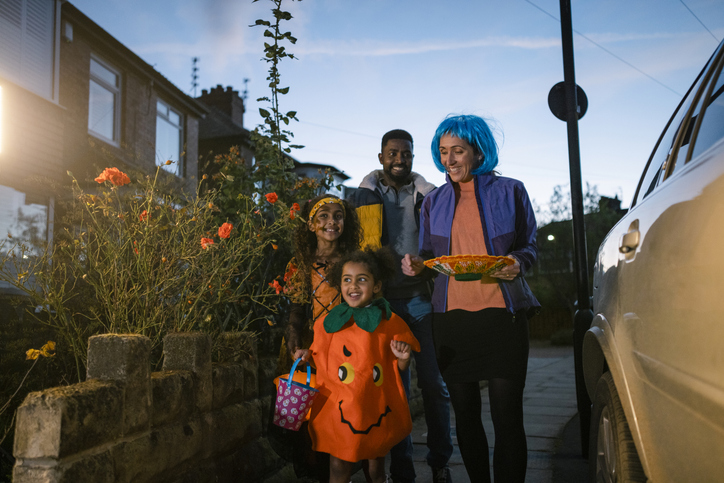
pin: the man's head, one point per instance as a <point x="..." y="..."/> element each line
<point x="396" y="157"/>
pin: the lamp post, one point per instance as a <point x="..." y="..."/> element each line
<point x="569" y="104"/>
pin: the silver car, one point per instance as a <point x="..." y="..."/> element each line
<point x="653" y="358"/>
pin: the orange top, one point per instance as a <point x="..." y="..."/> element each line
<point x="361" y="410"/>
<point x="468" y="237"/>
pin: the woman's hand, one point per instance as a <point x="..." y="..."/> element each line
<point x="412" y="265"/>
<point x="402" y="351"/>
<point x="509" y="272"/>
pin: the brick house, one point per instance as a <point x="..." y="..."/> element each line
<point x="72" y="97"/>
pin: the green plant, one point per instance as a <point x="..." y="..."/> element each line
<point x="132" y="259"/>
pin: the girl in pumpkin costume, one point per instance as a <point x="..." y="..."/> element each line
<point x="359" y="348"/>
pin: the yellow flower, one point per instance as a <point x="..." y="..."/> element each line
<point x="45" y="351"/>
<point x="32" y="354"/>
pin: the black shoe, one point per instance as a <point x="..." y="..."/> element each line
<point x="441" y="475"/>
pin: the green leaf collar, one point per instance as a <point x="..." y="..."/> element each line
<point x="367" y="318"/>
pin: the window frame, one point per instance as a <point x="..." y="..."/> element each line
<point x="653" y="175"/>
<point x="115" y="90"/>
<point x="179" y="168"/>
<point x="28" y="42"/>
<point x="686" y="135"/>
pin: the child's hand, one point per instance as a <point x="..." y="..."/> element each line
<point x="401" y="349"/>
<point x="304" y="354"/>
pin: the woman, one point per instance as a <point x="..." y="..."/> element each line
<point x="480" y="329"/>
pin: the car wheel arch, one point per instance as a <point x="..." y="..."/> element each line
<point x="599" y="356"/>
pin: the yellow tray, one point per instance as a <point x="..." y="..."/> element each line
<point x="468" y="267"/>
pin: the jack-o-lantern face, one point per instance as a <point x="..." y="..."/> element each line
<point x="361" y="411"/>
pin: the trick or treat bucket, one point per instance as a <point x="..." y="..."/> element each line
<point x="294" y="400"/>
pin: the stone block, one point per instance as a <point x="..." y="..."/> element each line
<point x="191" y="351"/>
<point x="173" y="396"/>
<point x="251" y="379"/>
<point x="228" y="383"/>
<point x="234" y="426"/>
<point x="152" y="456"/>
<point x="235" y="346"/>
<point x="125" y="358"/>
<point x="66" y="420"/>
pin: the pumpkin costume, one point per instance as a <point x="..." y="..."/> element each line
<point x="361" y="411"/>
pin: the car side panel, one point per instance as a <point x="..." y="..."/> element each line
<point x="666" y="320"/>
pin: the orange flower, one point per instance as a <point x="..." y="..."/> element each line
<point x="269" y="321"/>
<point x="274" y="246"/>
<point x="143" y="216"/>
<point x="276" y="286"/>
<point x="292" y="211"/>
<point x="205" y="242"/>
<point x="225" y="230"/>
<point x="290" y="273"/>
<point x="271" y="197"/>
<point x="115" y="176"/>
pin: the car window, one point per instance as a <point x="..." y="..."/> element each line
<point x="711" y="129"/>
<point x="657" y="165"/>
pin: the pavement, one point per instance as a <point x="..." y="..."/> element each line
<point x="551" y="423"/>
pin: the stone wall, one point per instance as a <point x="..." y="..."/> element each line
<point x="191" y="422"/>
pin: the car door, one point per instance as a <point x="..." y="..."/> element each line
<point x="669" y="282"/>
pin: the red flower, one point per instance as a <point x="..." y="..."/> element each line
<point x="276" y="286"/>
<point x="271" y="197"/>
<point x="143" y="216"/>
<point x="290" y="273"/>
<point x="115" y="176"/>
<point x="205" y="242"/>
<point x="225" y="230"/>
<point x="295" y="207"/>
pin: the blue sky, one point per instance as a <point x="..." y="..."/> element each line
<point x="366" y="67"/>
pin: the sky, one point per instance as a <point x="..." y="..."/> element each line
<point x="366" y="67"/>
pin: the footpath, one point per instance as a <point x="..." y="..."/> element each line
<point x="550" y="422"/>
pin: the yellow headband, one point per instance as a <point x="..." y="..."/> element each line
<point x="322" y="202"/>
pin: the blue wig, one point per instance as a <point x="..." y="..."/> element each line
<point x="473" y="130"/>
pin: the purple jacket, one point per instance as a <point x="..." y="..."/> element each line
<point x="510" y="229"/>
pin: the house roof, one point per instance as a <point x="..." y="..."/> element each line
<point x="105" y="41"/>
<point x="334" y="170"/>
<point x="218" y="124"/>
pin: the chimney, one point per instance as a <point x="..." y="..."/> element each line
<point x="227" y="101"/>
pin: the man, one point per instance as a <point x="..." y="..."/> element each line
<point x="388" y="203"/>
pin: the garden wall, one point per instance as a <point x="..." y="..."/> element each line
<point x="191" y="422"/>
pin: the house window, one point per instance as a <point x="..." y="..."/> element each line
<point x="104" y="101"/>
<point x="22" y="220"/>
<point x="27" y="44"/>
<point x="169" y="136"/>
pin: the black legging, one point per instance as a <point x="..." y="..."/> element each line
<point x="506" y="408"/>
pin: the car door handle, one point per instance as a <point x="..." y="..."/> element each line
<point x="629" y="241"/>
